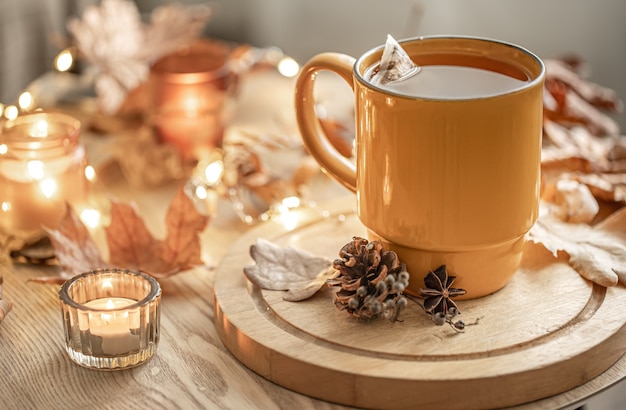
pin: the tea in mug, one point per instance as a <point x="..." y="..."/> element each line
<point x="447" y="82"/>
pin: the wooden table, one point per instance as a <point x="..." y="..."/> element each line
<point x="191" y="369"/>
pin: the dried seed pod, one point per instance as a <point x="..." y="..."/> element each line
<point x="371" y="276"/>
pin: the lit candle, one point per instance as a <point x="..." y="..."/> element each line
<point x="111" y="326"/>
<point x="111" y="317"/>
<point x="41" y="169"/>
<point x="189" y="94"/>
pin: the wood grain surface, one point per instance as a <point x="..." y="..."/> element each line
<point x="547" y="332"/>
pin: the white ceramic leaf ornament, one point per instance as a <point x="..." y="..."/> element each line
<point x="287" y="268"/>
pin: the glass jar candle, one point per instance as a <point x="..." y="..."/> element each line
<point x="190" y="97"/>
<point x="42" y="168"/>
<point x="111" y="318"/>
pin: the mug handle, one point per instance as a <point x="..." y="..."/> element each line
<point x="315" y="140"/>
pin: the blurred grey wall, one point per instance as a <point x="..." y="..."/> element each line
<point x="592" y="29"/>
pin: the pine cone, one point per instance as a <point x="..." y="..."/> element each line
<point x="372" y="280"/>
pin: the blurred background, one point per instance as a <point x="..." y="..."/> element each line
<point x="593" y="30"/>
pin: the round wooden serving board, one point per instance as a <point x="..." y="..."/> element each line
<point x="546" y="332"/>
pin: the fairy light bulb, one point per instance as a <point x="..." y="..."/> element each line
<point x="90" y="173"/>
<point x="11" y="112"/>
<point x="64" y="61"/>
<point x="288" y="67"/>
<point x="40" y="129"/>
<point x="26" y="101"/>
<point x="201" y="192"/>
<point x="213" y="172"/>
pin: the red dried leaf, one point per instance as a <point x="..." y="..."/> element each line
<point x="74" y="248"/>
<point x="181" y="248"/>
<point x="130" y="243"/>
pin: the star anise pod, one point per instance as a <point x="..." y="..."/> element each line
<point x="438" y="295"/>
<point x="372" y="280"/>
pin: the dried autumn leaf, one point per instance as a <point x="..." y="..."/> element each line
<point x="597" y="253"/>
<point x="181" y="248"/>
<point x="571" y="99"/>
<point x="291" y="269"/>
<point x="131" y="245"/>
<point x="579" y="137"/>
<point x="568" y="74"/>
<point x="74" y="248"/>
<point x="573" y="200"/>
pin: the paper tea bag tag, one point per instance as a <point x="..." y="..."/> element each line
<point x="395" y="64"/>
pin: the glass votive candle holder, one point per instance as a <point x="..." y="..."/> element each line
<point x="42" y="169"/>
<point x="111" y="318"/>
<point x="191" y="97"/>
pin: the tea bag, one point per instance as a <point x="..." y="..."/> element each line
<point x="395" y="64"/>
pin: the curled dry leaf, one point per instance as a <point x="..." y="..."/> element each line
<point x="572" y="99"/>
<point x="580" y="137"/>
<point x="573" y="201"/>
<point x="290" y="269"/>
<point x="598" y="253"/>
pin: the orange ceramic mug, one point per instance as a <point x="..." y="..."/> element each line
<point x="451" y="174"/>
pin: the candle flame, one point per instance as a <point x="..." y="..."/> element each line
<point x="35" y="169"/>
<point x="48" y="186"/>
<point x="40" y="129"/>
<point x="191" y="106"/>
<point x="110" y="305"/>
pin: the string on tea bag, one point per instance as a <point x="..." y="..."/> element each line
<point x="395" y="64"/>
